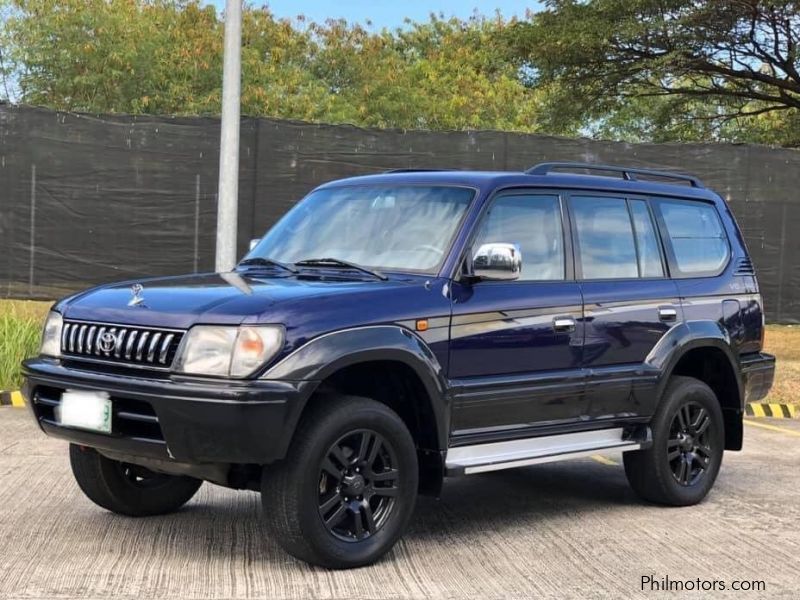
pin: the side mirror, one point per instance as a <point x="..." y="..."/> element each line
<point x="254" y="242"/>
<point x="497" y="262"/>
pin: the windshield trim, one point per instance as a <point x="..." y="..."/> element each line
<point x="437" y="268"/>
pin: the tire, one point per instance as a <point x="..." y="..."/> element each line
<point x="680" y="467"/>
<point x="128" y="489"/>
<point x="353" y="463"/>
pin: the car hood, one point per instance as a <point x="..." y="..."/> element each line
<point x="215" y="298"/>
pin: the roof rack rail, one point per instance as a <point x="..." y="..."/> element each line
<point x="413" y="170"/>
<point x="627" y="173"/>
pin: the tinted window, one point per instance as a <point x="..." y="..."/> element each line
<point x="606" y="247"/>
<point x="697" y="237"/>
<point x="646" y="240"/>
<point x="534" y="224"/>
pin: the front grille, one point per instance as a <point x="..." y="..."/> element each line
<point x="133" y="346"/>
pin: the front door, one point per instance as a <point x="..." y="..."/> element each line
<point x="515" y="348"/>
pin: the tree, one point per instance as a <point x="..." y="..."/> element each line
<point x="164" y="57"/>
<point x="720" y="61"/>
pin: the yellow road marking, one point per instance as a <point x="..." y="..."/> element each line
<point x="16" y="399"/>
<point x="604" y="460"/>
<point x="758" y="410"/>
<point x="773" y="428"/>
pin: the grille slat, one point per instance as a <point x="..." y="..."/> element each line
<point x="152" y="349"/>
<point x="90" y="339"/>
<point x="148" y="347"/>
<point x="165" y="346"/>
<point x="129" y="346"/>
<point x="72" y="338"/>
<point x="120" y="342"/>
<point x="65" y="336"/>
<point x="140" y="345"/>
<point x="81" y="335"/>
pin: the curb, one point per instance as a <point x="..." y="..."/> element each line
<point x="11" y="399"/>
<point x="776" y="411"/>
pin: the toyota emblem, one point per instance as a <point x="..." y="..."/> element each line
<point x="107" y="342"/>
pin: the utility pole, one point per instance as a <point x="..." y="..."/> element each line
<point x="228" y="196"/>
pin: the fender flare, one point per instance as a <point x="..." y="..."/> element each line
<point x="320" y="357"/>
<point x="687" y="336"/>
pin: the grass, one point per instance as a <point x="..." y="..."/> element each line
<point x="20" y="334"/>
<point x="21" y="324"/>
<point x="784" y="342"/>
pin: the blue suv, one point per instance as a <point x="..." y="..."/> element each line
<point x="396" y="329"/>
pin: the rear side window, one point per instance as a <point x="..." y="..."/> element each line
<point x="698" y="240"/>
<point x="616" y="238"/>
<point x="532" y="222"/>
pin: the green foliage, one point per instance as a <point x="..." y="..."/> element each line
<point x="667" y="69"/>
<point x="20" y="335"/>
<point x="635" y="70"/>
<point x="164" y="56"/>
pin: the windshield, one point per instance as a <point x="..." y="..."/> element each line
<point x="400" y="228"/>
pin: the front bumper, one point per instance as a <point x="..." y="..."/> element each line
<point x="186" y="420"/>
<point x="758" y="373"/>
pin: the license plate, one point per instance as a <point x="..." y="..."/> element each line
<point x="85" y="410"/>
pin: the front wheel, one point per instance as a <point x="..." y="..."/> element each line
<point x="128" y="489"/>
<point x="346" y="490"/>
<point x="681" y="466"/>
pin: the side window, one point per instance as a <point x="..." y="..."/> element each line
<point x="650" y="264"/>
<point x="695" y="232"/>
<point x="534" y="224"/>
<point x="605" y="247"/>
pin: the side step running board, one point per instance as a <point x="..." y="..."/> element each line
<point x="530" y="451"/>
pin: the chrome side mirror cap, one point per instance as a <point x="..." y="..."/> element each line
<point x="254" y="242"/>
<point x="497" y="262"/>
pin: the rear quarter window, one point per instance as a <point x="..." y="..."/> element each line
<point x="697" y="239"/>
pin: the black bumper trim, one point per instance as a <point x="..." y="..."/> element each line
<point x="220" y="421"/>
<point x="758" y="374"/>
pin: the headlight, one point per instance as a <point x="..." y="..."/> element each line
<point x="228" y="351"/>
<point x="51" y="335"/>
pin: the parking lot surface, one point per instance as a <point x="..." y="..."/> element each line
<point x="563" y="530"/>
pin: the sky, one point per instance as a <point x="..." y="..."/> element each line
<point x="388" y="13"/>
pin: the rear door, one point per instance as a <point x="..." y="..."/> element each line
<point x="629" y="302"/>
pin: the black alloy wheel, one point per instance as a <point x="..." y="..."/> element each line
<point x="681" y="465"/>
<point x="346" y="490"/>
<point x="689" y="447"/>
<point x="358" y="484"/>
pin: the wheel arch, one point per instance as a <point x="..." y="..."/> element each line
<point x="702" y="349"/>
<point x="368" y="361"/>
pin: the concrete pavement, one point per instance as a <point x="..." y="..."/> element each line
<point x="562" y="530"/>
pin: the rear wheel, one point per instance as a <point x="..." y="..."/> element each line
<point x="129" y="489"/>
<point x="688" y="442"/>
<point x="347" y="488"/>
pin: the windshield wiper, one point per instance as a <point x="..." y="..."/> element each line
<point x="267" y="262"/>
<point x="321" y="262"/>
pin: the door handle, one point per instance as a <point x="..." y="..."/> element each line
<point x="564" y="324"/>
<point x="667" y="313"/>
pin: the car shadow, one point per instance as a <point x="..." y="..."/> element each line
<point x="503" y="499"/>
<point x="229" y="523"/>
